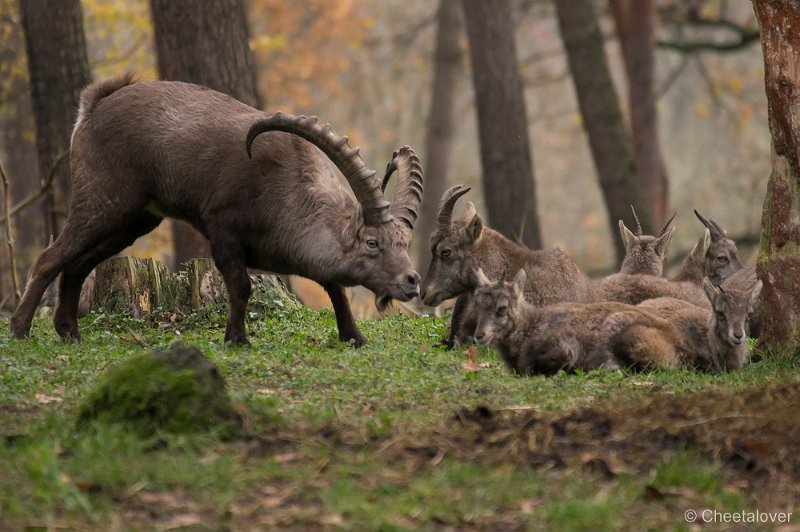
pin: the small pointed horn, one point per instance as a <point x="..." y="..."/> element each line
<point x="362" y="180"/>
<point x="714" y="229"/>
<point x="638" y="229"/>
<point x="446" y="204"/>
<point x="666" y="225"/>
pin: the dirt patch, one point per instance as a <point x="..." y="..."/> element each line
<point x="753" y="434"/>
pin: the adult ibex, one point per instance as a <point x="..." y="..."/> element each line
<point x="459" y="247"/>
<point x="143" y="151"/>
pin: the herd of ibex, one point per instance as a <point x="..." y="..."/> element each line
<point x="260" y="189"/>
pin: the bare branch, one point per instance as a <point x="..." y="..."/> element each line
<point x="9" y="236"/>
<point x="39" y="193"/>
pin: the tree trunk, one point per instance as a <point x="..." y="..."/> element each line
<point x="207" y="44"/>
<point x="779" y="261"/>
<point x="508" y="183"/>
<point x="635" y="24"/>
<point x="602" y="117"/>
<point x="59" y="69"/>
<point x="440" y="132"/>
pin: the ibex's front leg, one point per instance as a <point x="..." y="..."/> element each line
<point x="460" y="322"/>
<point x="348" y="330"/>
<point x="230" y="262"/>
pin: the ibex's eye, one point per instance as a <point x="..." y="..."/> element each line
<point x="372" y="243"/>
<point x="722" y="259"/>
<point x="720" y="315"/>
<point x="502" y="311"/>
<point x="446" y="253"/>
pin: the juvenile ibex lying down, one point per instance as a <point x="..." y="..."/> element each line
<point x="459" y="247"/>
<point x="570" y="336"/>
<point x="143" y="151"/>
<point x="715" y="256"/>
<point x="645" y="254"/>
<point x="714" y="340"/>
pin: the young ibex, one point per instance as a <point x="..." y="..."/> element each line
<point x="721" y="259"/>
<point x="635" y="288"/>
<point x="645" y="254"/>
<point x="143" y="151"/>
<point x="693" y="267"/>
<point x="460" y="247"/>
<point x="714" y="340"/>
<point x="569" y="336"/>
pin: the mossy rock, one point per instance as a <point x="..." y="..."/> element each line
<point x="176" y="391"/>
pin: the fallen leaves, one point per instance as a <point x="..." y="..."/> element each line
<point x="472" y="363"/>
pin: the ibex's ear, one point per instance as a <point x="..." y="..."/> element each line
<point x="628" y="238"/>
<point x="662" y="242"/>
<point x="755" y="292"/>
<point x="519" y="283"/>
<point x="470" y="212"/>
<point x="472" y="232"/>
<point x="481" y="278"/>
<point x="700" y="249"/>
<point x="355" y="225"/>
<point x="711" y="291"/>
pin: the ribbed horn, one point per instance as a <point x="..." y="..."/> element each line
<point x="362" y="180"/>
<point x="716" y="231"/>
<point x="638" y="229"/>
<point x="666" y="225"/>
<point x="408" y="194"/>
<point x="446" y="204"/>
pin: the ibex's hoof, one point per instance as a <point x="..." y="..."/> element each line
<point x="237" y="342"/>
<point x="20" y="331"/>
<point x="356" y="339"/>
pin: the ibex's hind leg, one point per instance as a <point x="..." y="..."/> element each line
<point x="348" y="330"/>
<point x="45" y="270"/>
<point x="229" y="258"/>
<point x="65" y="318"/>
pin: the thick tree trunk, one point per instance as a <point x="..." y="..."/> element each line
<point x="441" y="122"/>
<point x="779" y="261"/>
<point x="205" y="43"/>
<point x="635" y="24"/>
<point x="59" y="70"/>
<point x="602" y="117"/>
<point x="508" y="182"/>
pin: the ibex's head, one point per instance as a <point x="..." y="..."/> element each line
<point x="375" y="240"/>
<point x="452" y="263"/>
<point x="731" y="307"/>
<point x="722" y="258"/>
<point x="645" y="254"/>
<point x="497" y="305"/>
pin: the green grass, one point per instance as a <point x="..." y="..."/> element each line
<point x="332" y="435"/>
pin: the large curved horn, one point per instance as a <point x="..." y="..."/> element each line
<point x="717" y="233"/>
<point x="638" y="229"/>
<point x="408" y="195"/>
<point x="362" y="180"/>
<point x="666" y="225"/>
<point x="446" y="204"/>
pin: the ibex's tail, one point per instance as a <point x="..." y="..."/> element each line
<point x="92" y="94"/>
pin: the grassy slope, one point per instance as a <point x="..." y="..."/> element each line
<point x="325" y="424"/>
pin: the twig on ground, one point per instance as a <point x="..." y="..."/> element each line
<point x="9" y="236"/>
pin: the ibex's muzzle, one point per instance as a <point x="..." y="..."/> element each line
<point x="408" y="283"/>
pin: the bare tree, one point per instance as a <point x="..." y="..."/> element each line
<point x="779" y="262"/>
<point x="59" y="69"/>
<point x="602" y="117"/>
<point x="440" y="130"/>
<point x="206" y="45"/>
<point x="635" y="23"/>
<point x="508" y="183"/>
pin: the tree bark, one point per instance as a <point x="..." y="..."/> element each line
<point x="779" y="260"/>
<point x="59" y="69"/>
<point x="602" y="117"/>
<point x="208" y="44"/>
<point x="635" y="24"/>
<point x="508" y="182"/>
<point x="441" y="121"/>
